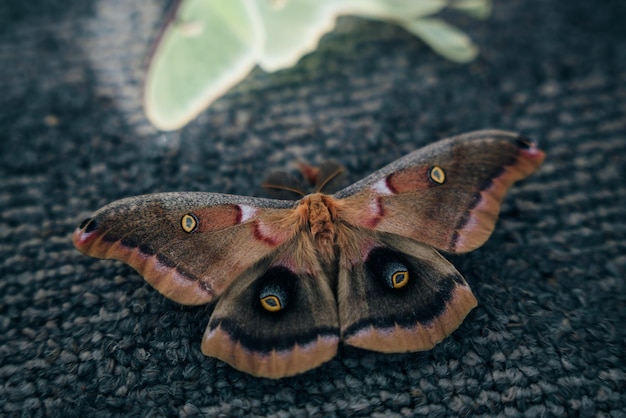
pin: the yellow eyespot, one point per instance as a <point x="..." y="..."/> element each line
<point x="399" y="279"/>
<point x="437" y="175"/>
<point x="271" y="303"/>
<point x="189" y="222"/>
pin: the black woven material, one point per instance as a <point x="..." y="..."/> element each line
<point x="84" y="337"/>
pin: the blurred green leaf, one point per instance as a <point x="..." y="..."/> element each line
<point x="443" y="38"/>
<point x="213" y="44"/>
<point x="479" y="9"/>
<point x="293" y="29"/>
<point x="390" y="9"/>
<point x="209" y="47"/>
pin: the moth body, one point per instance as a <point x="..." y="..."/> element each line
<point x="320" y="214"/>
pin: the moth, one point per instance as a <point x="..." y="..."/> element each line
<point x="293" y="279"/>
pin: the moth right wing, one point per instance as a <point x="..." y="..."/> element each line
<point x="446" y="194"/>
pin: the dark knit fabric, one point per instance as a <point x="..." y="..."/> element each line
<point x="85" y="337"/>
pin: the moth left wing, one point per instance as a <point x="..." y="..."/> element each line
<point x="277" y="319"/>
<point x="189" y="246"/>
<point x="397" y="295"/>
<point x="447" y="194"/>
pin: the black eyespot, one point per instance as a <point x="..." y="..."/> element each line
<point x="523" y="142"/>
<point x="399" y="278"/>
<point x="276" y="289"/>
<point x="89" y="225"/>
<point x="437" y="175"/>
<point x="389" y="267"/>
<point x="273" y="299"/>
<point x="189" y="222"/>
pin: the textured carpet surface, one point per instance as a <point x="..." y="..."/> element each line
<point x="85" y="337"/>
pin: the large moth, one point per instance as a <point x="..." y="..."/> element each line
<point x="293" y="279"/>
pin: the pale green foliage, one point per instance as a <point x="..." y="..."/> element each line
<point x="213" y="44"/>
